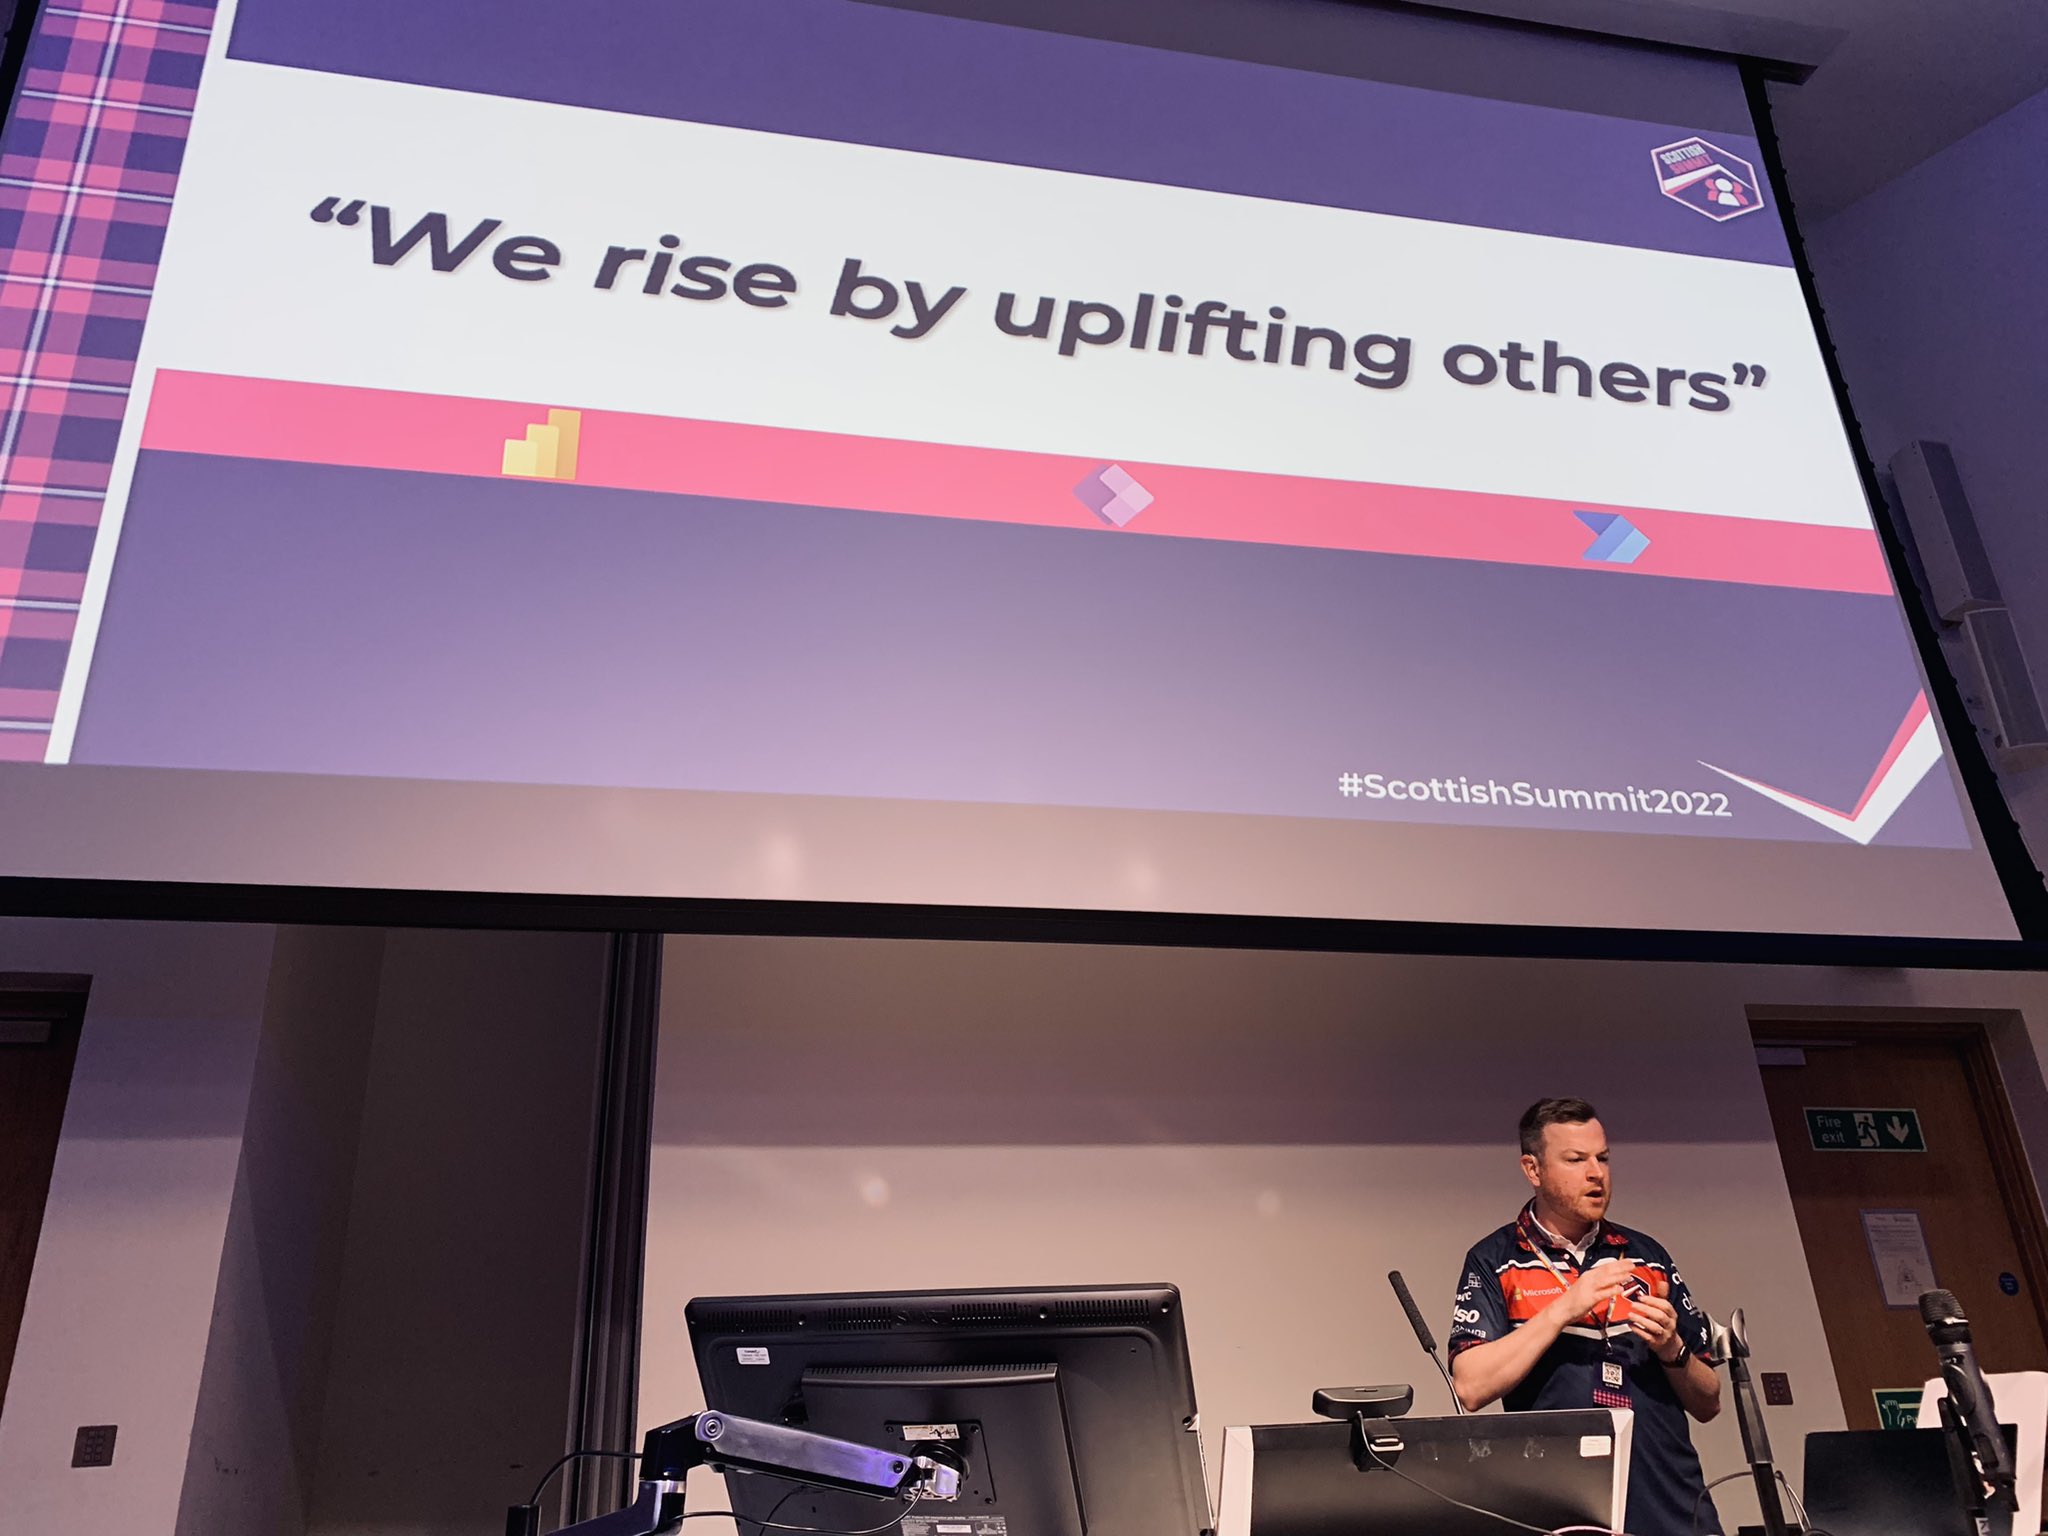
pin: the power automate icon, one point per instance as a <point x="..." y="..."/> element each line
<point x="1707" y="179"/>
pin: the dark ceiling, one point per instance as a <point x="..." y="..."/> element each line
<point x="1908" y="78"/>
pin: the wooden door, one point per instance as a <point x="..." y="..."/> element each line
<point x="1983" y="1234"/>
<point x="38" y="1041"/>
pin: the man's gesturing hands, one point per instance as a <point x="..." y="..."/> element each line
<point x="1657" y="1321"/>
<point x="1593" y="1291"/>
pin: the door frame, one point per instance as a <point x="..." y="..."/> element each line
<point x="57" y="1001"/>
<point x="1997" y="1056"/>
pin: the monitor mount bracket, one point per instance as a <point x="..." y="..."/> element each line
<point x="726" y="1443"/>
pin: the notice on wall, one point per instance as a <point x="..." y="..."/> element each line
<point x="1898" y="1249"/>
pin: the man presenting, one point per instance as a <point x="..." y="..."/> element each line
<point x="1561" y="1308"/>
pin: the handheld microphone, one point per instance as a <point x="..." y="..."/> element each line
<point x="1950" y="1331"/>
<point x="1422" y="1333"/>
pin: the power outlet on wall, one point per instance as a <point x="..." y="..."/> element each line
<point x="1777" y="1389"/>
<point x="94" y="1446"/>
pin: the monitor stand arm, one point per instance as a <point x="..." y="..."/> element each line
<point x="728" y="1444"/>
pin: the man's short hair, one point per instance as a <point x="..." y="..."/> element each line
<point x="1548" y="1112"/>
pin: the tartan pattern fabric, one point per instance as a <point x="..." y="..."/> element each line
<point x="88" y="163"/>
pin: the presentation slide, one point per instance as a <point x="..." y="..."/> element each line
<point x="872" y="452"/>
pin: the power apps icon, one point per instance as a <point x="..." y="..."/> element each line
<point x="1707" y="179"/>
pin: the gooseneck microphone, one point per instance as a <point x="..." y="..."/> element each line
<point x="1973" y="1408"/>
<point x="1422" y="1334"/>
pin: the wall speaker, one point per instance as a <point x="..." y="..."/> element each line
<point x="2003" y="697"/>
<point x="1944" y="531"/>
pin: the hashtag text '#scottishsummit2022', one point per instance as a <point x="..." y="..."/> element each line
<point x="1521" y="794"/>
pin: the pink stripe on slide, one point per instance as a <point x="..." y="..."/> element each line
<point x="1914" y="716"/>
<point x="451" y="435"/>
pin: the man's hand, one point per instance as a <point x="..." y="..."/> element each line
<point x="1592" y="1292"/>
<point x="1483" y="1372"/>
<point x="1657" y="1321"/>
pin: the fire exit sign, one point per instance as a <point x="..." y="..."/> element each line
<point x="1865" y="1130"/>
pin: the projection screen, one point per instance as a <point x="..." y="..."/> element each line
<point x="1253" y="456"/>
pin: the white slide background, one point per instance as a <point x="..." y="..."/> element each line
<point x="251" y="285"/>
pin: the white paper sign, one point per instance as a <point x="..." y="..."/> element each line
<point x="1898" y="1248"/>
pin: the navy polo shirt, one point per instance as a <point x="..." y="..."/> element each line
<point x="1505" y="1285"/>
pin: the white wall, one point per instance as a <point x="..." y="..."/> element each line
<point x="121" y="1300"/>
<point x="315" y="1230"/>
<point x="1272" y="1132"/>
<point x="1933" y="295"/>
<point x="455" y="1326"/>
<point x="254" y="1442"/>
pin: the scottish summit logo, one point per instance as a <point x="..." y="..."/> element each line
<point x="1707" y="179"/>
